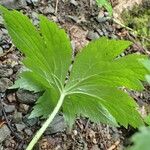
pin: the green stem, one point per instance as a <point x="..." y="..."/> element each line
<point x="47" y="122"/>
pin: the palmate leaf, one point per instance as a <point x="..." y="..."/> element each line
<point x="98" y="75"/>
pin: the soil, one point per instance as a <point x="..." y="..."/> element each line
<point x="83" y="21"/>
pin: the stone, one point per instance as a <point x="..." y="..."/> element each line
<point x="92" y="35"/>
<point x="26" y="97"/>
<point x="4" y="133"/>
<point x="13" y="4"/>
<point x="49" y="10"/>
<point x="32" y="1"/>
<point x="17" y="117"/>
<point x="74" y="2"/>
<point x="100" y="32"/>
<point x="5" y="32"/>
<point x="23" y="108"/>
<point x="1" y="51"/>
<point x="5" y="72"/>
<point x="57" y="125"/>
<point x="5" y="83"/>
<point x="11" y="97"/>
<point x="28" y="132"/>
<point x="9" y="108"/>
<point x="20" y="126"/>
<point x="30" y="122"/>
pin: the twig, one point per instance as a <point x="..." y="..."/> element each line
<point x="6" y="118"/>
<point x="122" y="25"/>
<point x="114" y="145"/>
<point x="56" y="7"/>
<point x="135" y="32"/>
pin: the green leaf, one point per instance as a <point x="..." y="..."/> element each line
<point x="45" y="52"/>
<point x="106" y="4"/>
<point x="47" y="99"/>
<point x="94" y="88"/>
<point x="147" y="119"/>
<point x="141" y="139"/>
<point x="88" y="107"/>
<point x="146" y="63"/>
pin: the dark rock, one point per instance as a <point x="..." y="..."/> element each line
<point x="92" y="35"/>
<point x="57" y="125"/>
<point x="27" y="97"/>
<point x="30" y="122"/>
<point x="4" y="133"/>
<point x="5" y="72"/>
<point x="5" y="83"/>
<point x="9" y="108"/>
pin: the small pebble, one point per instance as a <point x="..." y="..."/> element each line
<point x="9" y="108"/>
<point x="20" y="126"/>
<point x="5" y="72"/>
<point x="1" y="51"/>
<point x="23" y="108"/>
<point x="28" y="132"/>
<point x="49" y="10"/>
<point x="75" y="132"/>
<point x="5" y="83"/>
<point x="74" y="2"/>
<point x="17" y="117"/>
<point x="11" y="97"/>
<point x="92" y="35"/>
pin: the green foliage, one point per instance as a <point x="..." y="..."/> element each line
<point x="98" y="75"/>
<point x="147" y="119"/>
<point x="106" y="4"/>
<point x="146" y="64"/>
<point x="141" y="139"/>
